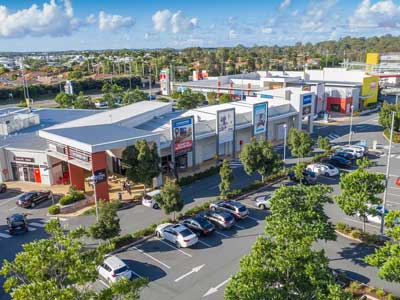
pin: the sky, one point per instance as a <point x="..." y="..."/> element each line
<point x="55" y="25"/>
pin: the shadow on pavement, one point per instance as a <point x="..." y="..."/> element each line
<point x="146" y="270"/>
<point x="356" y="252"/>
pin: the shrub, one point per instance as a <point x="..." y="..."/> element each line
<point x="190" y="179"/>
<point x="396" y="135"/>
<point x="149" y="230"/>
<point x="54" y="209"/>
<point x="390" y="296"/>
<point x="354" y="286"/>
<point x="197" y="209"/>
<point x="370" y="238"/>
<point x="73" y="197"/>
<point x="356" y="234"/>
<point x="66" y="199"/>
<point x="340" y="226"/>
<point x="380" y="292"/>
<point x="122" y="240"/>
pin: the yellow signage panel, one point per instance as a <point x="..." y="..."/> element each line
<point x="370" y="89"/>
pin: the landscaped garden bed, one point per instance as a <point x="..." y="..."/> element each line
<point x="357" y="234"/>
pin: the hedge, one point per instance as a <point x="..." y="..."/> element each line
<point x="54" y="209"/>
<point x="396" y="135"/>
<point x="72" y="198"/>
<point x="207" y="173"/>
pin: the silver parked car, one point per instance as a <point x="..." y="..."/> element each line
<point x="237" y="209"/>
<point x="262" y="201"/>
<point x="220" y="219"/>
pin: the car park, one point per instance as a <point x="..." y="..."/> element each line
<point x="361" y="148"/>
<point x="149" y="199"/>
<point x="325" y="169"/>
<point x="220" y="219"/>
<point x="308" y="177"/>
<point x="340" y="162"/>
<point x="199" y="225"/>
<point x="346" y="155"/>
<point x="113" y="269"/>
<point x="3" y="188"/>
<point x="177" y="234"/>
<point x="356" y="152"/>
<point x="17" y="223"/>
<point x="237" y="209"/>
<point x="31" y="199"/>
<point x="263" y="201"/>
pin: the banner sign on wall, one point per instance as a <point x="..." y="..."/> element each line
<point x="182" y="135"/>
<point x="307" y="99"/>
<point x="260" y="113"/>
<point x="225" y="125"/>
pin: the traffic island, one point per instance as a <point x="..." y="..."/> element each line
<point x="356" y="234"/>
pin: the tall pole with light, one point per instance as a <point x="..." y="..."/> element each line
<point x="387" y="176"/>
<point x="351" y="124"/>
<point x="95" y="180"/>
<point x="284" y="143"/>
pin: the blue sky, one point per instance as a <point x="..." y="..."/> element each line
<point x="47" y="25"/>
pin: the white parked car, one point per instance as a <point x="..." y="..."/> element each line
<point x="358" y="153"/>
<point x="323" y="169"/>
<point x="113" y="269"/>
<point x="149" y="199"/>
<point x="178" y="234"/>
<point x="263" y="201"/>
<point x="359" y="148"/>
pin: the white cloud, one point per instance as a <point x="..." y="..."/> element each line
<point x="284" y="4"/>
<point x="54" y="19"/>
<point x="383" y="13"/>
<point x="266" y="30"/>
<point x="294" y="13"/>
<point x="91" y="19"/>
<point x="232" y="34"/>
<point x="316" y="17"/>
<point x="109" y="22"/>
<point x="177" y="22"/>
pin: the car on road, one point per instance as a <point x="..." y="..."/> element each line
<point x="199" y="225"/>
<point x="113" y="269"/>
<point x="177" y="234"/>
<point x="340" y="162"/>
<point x="262" y="201"/>
<point x="149" y="199"/>
<point x="346" y="155"/>
<point x="308" y="177"/>
<point x="375" y="214"/>
<point x="323" y="169"/>
<point x="3" y="188"/>
<point x="17" y="223"/>
<point x="220" y="219"/>
<point x="237" y="209"/>
<point x="358" y="153"/>
<point x="31" y="199"/>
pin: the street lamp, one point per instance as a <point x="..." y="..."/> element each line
<point x="284" y="143"/>
<point x="351" y="124"/>
<point x="95" y="180"/>
<point x="387" y="175"/>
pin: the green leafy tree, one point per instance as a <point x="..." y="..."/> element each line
<point x="224" y="98"/>
<point x="133" y="96"/>
<point x="108" y="225"/>
<point x="359" y="190"/>
<point x="323" y="143"/>
<point x="385" y="115"/>
<point x="83" y="102"/>
<point x="387" y="258"/>
<point x="142" y="162"/>
<point x="75" y="75"/>
<point x="364" y="163"/>
<point x="170" y="197"/>
<point x="60" y="267"/>
<point x="298" y="171"/>
<point x="226" y="175"/>
<point x="212" y="98"/>
<point x="176" y="95"/>
<point x="300" y="143"/>
<point x="3" y="70"/>
<point x="65" y="100"/>
<point x="259" y="156"/>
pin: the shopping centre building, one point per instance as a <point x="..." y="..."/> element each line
<point x="58" y="146"/>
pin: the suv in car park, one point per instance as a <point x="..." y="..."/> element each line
<point x="263" y="201"/>
<point x="17" y="223"/>
<point x="30" y="199"/>
<point x="178" y="234"/>
<point x="237" y="209"/>
<point x="149" y="199"/>
<point x="199" y="225"/>
<point x="222" y="220"/>
<point x="308" y="177"/>
<point x="358" y="153"/>
<point x="113" y="269"/>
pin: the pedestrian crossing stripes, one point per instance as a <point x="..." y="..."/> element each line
<point x="32" y="226"/>
<point x="332" y="136"/>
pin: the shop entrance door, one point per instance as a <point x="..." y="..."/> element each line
<point x="38" y="178"/>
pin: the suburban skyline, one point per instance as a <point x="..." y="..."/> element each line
<point x="56" y="25"/>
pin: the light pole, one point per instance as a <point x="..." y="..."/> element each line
<point x="284" y="143"/>
<point x="387" y="175"/>
<point x="351" y="124"/>
<point x="95" y="179"/>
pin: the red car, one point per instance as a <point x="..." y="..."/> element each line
<point x="398" y="181"/>
<point x="30" y="199"/>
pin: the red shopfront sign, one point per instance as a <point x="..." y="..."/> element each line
<point x="182" y="146"/>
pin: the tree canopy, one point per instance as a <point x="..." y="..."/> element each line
<point x="108" y="225"/>
<point x="170" y="197"/>
<point x="300" y="143"/>
<point x="226" y="175"/>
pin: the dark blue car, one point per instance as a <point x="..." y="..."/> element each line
<point x="340" y="162"/>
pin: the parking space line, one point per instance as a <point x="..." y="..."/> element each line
<point x="172" y="246"/>
<point x="151" y="257"/>
<point x="251" y="218"/>
<point x="5" y="235"/>
<point x="105" y="284"/>
<point x="397" y="195"/>
<point x="359" y="222"/>
<point x="13" y="208"/>
<point x="204" y="243"/>
<point x="238" y="226"/>
<point x="220" y="233"/>
<point x="37" y="224"/>
<point x="136" y="274"/>
<point x="32" y="228"/>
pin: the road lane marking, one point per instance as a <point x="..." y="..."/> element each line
<point x="5" y="235"/>
<point x="32" y="228"/>
<point x="136" y="274"/>
<point x="360" y="222"/>
<point x="37" y="224"/>
<point x="220" y="233"/>
<point x="238" y="226"/>
<point x="172" y="246"/>
<point x="105" y="284"/>
<point x="6" y="201"/>
<point x="151" y="257"/>
<point x="213" y="290"/>
<point x="204" y="243"/>
<point x="251" y="218"/>
<point x="397" y="195"/>
<point x="194" y="270"/>
<point x="13" y="208"/>
<point x="212" y="187"/>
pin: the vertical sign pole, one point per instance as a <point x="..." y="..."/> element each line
<point x="217" y="138"/>
<point x="175" y="170"/>
<point x="266" y="120"/>
<point x="234" y="135"/>
<point x="193" y="144"/>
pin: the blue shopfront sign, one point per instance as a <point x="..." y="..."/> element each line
<point x="307" y="99"/>
<point x="265" y="96"/>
